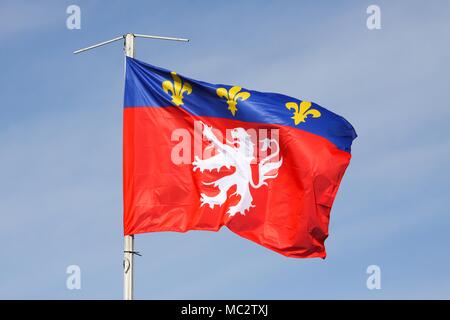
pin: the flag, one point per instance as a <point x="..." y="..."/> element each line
<point x="199" y="156"/>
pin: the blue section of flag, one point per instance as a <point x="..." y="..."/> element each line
<point x="143" y="88"/>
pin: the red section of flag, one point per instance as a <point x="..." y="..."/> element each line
<point x="290" y="214"/>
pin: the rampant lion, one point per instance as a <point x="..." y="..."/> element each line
<point x="238" y="153"/>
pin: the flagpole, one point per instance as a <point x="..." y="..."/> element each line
<point x="128" y="252"/>
<point x="128" y="261"/>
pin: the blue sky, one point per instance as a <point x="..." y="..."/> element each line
<point x="60" y="138"/>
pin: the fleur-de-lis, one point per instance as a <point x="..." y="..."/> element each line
<point x="300" y="114"/>
<point x="232" y="97"/>
<point x="177" y="88"/>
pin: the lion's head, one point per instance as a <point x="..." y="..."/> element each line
<point x="243" y="140"/>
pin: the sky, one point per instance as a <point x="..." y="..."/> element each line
<point x="61" y="145"/>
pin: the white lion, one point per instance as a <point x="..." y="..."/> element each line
<point x="238" y="153"/>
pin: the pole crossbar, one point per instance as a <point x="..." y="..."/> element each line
<point x="98" y="45"/>
<point x="137" y="35"/>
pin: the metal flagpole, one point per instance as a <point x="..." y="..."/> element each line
<point x="128" y="266"/>
<point x="128" y="252"/>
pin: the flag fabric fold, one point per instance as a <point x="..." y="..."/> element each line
<point x="199" y="156"/>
